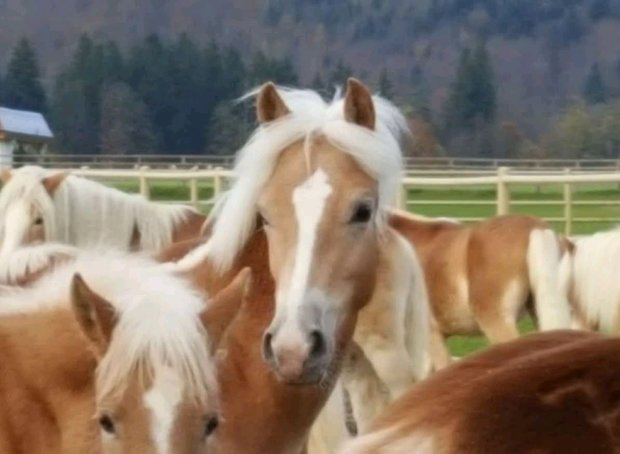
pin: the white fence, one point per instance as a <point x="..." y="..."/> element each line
<point x="169" y="161"/>
<point x="503" y="182"/>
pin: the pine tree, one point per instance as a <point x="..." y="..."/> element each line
<point x="473" y="94"/>
<point x="228" y="130"/>
<point x="22" y="85"/>
<point x="386" y="88"/>
<point x="339" y="75"/>
<point x="125" y="125"/>
<point x="594" y="91"/>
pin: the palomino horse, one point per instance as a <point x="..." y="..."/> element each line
<point x="589" y="278"/>
<point x="39" y="205"/>
<point x="109" y="353"/>
<point x="318" y="178"/>
<point x="482" y="277"/>
<point x="553" y="392"/>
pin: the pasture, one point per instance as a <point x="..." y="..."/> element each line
<point x="455" y="203"/>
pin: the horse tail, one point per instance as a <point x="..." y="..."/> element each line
<point x="543" y="260"/>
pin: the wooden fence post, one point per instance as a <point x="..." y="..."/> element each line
<point x="503" y="192"/>
<point x="568" y="205"/>
<point x="401" y="197"/>
<point x="193" y="192"/>
<point x="217" y="182"/>
<point x="145" y="191"/>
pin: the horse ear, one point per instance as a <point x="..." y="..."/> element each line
<point x="5" y="175"/>
<point x="358" y="105"/>
<point x="52" y="182"/>
<point x="269" y="104"/>
<point x="95" y="315"/>
<point x="223" y="308"/>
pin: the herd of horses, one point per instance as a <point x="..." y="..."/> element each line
<point x="128" y="326"/>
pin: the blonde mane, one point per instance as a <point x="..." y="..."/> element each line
<point x="157" y="318"/>
<point x="378" y="152"/>
<point x="84" y="213"/>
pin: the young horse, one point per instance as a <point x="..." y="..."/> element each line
<point x="38" y="205"/>
<point x="588" y="276"/>
<point x="318" y="178"/>
<point x="546" y="392"/>
<point x="482" y="277"/>
<point x="114" y="336"/>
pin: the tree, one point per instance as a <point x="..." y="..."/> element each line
<point x="22" y="85"/>
<point x="228" y="130"/>
<point x="473" y="94"/>
<point x="386" y="88"/>
<point x="75" y="131"/>
<point x="125" y="125"/>
<point x="338" y="75"/>
<point x="599" y="9"/>
<point x="594" y="91"/>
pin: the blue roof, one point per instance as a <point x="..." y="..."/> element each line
<point x="24" y="123"/>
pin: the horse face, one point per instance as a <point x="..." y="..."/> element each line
<point x="323" y="247"/>
<point x="151" y="397"/>
<point x="156" y="416"/>
<point x="24" y="199"/>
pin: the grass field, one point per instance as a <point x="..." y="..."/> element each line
<point x="457" y="207"/>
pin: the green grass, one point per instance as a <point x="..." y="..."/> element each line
<point x="461" y="346"/>
<point x="464" y="345"/>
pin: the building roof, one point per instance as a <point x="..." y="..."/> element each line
<point x="24" y="123"/>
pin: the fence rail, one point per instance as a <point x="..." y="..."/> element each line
<point x="163" y="161"/>
<point x="501" y="184"/>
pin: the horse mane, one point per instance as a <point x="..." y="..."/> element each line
<point x="156" y="311"/>
<point x="86" y="213"/>
<point x="28" y="260"/>
<point x="377" y="151"/>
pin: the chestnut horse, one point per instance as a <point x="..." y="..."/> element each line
<point x="317" y="178"/>
<point x="109" y="353"/>
<point x="546" y="392"/>
<point x="483" y="277"/>
<point x="39" y="205"/>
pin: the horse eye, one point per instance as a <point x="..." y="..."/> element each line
<point x="38" y="221"/>
<point x="362" y="214"/>
<point x="107" y="425"/>
<point x="211" y="425"/>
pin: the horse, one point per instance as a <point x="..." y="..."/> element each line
<point x="555" y="391"/>
<point x="110" y="353"/>
<point x="588" y="279"/>
<point x="39" y="205"/>
<point x="484" y="276"/>
<point x="310" y="197"/>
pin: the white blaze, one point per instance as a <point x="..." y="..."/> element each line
<point x="309" y="203"/>
<point x="162" y="400"/>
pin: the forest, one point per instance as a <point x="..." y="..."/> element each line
<point x="500" y="78"/>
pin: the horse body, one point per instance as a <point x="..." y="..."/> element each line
<point x="588" y="275"/>
<point x="480" y="278"/>
<point x="123" y="366"/>
<point x="546" y="392"/>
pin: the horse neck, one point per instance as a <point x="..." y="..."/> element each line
<point x="47" y="392"/>
<point x="262" y="414"/>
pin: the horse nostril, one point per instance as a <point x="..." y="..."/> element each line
<point x="318" y="345"/>
<point x="267" y="348"/>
